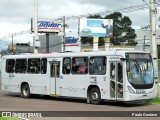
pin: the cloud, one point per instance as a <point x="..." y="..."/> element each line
<point x="139" y="18"/>
<point x="15" y="15"/>
<point x="8" y="28"/>
<point x="16" y="11"/>
<point x="111" y="4"/>
<point x="20" y="11"/>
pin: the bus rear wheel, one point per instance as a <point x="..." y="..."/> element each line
<point x="95" y="96"/>
<point x="25" y="91"/>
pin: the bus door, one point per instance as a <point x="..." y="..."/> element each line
<point x="54" y="77"/>
<point x="116" y="81"/>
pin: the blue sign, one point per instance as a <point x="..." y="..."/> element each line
<point x="70" y="40"/>
<point x="45" y="26"/>
<point x="94" y="23"/>
<point x="61" y="77"/>
<point x="96" y="27"/>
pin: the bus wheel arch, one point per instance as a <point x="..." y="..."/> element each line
<point x="25" y="90"/>
<point x="93" y="95"/>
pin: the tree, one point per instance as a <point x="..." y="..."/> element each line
<point x="85" y="40"/>
<point x="95" y="16"/>
<point x="121" y="24"/>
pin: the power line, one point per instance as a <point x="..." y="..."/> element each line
<point x="132" y="8"/>
<point x="15" y="34"/>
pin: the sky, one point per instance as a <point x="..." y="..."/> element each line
<point x="15" y="15"/>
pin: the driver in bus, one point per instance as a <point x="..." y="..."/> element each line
<point x="134" y="71"/>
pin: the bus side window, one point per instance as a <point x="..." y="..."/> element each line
<point x="53" y="70"/>
<point x="97" y="65"/>
<point x="66" y="65"/>
<point x="10" y="65"/>
<point x="80" y="65"/>
<point x="43" y="66"/>
<point x="21" y="66"/>
<point x="34" y="66"/>
<point x="120" y="73"/>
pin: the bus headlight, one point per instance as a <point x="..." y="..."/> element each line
<point x="131" y="90"/>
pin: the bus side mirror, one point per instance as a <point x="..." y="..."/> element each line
<point x="156" y="75"/>
<point x="156" y="82"/>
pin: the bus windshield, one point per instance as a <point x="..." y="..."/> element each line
<point x="140" y="69"/>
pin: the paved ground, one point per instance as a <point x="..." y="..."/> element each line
<point x="13" y="102"/>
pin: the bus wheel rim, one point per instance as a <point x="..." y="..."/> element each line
<point x="95" y="96"/>
<point x="25" y="91"/>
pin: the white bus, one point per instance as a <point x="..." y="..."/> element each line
<point x="117" y="75"/>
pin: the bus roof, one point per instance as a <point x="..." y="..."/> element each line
<point x="71" y="54"/>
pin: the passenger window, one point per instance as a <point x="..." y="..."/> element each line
<point x="120" y="73"/>
<point x="21" y="66"/>
<point x="10" y="65"/>
<point x="34" y="66"/>
<point x="66" y="65"/>
<point x="43" y="66"/>
<point x="58" y="70"/>
<point x="97" y="66"/>
<point x="112" y="71"/>
<point x="57" y="73"/>
<point x="79" y="65"/>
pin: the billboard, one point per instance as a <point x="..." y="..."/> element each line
<point x="96" y="27"/>
<point x="45" y="26"/>
<point x="72" y="41"/>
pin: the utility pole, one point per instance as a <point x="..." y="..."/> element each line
<point x="144" y="43"/>
<point x="154" y="39"/>
<point x="36" y="39"/>
<point x="80" y="43"/>
<point x="64" y="33"/>
<point x="12" y="43"/>
<point x="47" y="42"/>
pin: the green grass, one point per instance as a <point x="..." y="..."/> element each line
<point x="154" y="101"/>
<point x="8" y="118"/>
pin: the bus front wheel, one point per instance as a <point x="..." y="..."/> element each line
<point x="95" y="96"/>
<point x="25" y="91"/>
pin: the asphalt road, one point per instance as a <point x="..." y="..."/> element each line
<point x="13" y="102"/>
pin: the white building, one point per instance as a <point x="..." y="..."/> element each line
<point x="72" y="43"/>
<point x="143" y="39"/>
